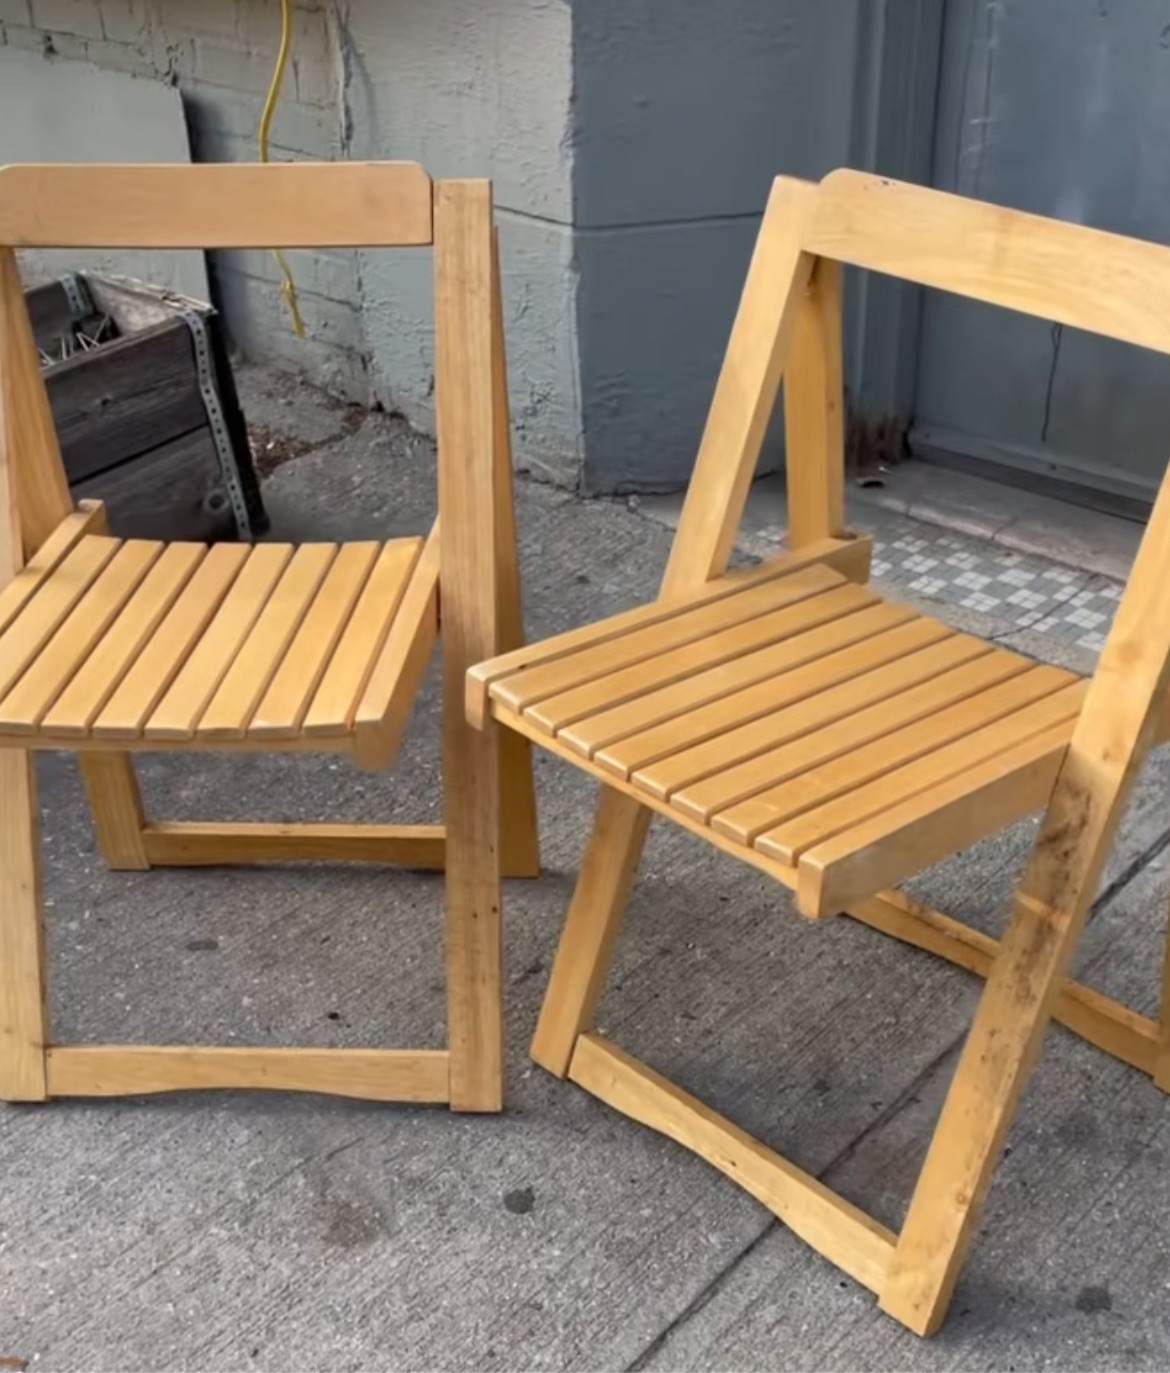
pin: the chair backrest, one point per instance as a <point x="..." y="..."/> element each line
<point x="216" y="205"/>
<point x="285" y="205"/>
<point x="788" y="323"/>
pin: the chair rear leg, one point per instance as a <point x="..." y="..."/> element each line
<point x="116" y="805"/>
<point x="23" y="1020"/>
<point x="519" y="840"/>
<point x="474" y="950"/>
<point x="591" y="928"/>
<point x="1000" y="1051"/>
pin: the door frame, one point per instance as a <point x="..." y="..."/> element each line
<point x="897" y="74"/>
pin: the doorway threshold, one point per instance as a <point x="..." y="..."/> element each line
<point x="1024" y="521"/>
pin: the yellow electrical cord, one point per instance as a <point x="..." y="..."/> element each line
<point x="288" y="288"/>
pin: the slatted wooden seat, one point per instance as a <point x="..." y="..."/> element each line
<point x="151" y="644"/>
<point x="111" y="646"/>
<point x="778" y="714"/>
<point x="795" y="718"/>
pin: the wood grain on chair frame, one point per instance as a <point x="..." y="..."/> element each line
<point x="840" y="743"/>
<point x="109" y="647"/>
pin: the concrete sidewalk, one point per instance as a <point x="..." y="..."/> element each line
<point x="269" y="1232"/>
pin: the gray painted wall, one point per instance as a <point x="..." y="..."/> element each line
<point x="218" y="57"/>
<point x="1061" y="107"/>
<point x="632" y="144"/>
<point x="474" y="89"/>
<point x="470" y="89"/>
<point x="683" y="115"/>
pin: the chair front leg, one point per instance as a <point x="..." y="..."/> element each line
<point x="591" y="928"/>
<point x="24" y="1030"/>
<point x="1001" y="1048"/>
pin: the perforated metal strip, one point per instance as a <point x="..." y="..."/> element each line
<point x="220" y="437"/>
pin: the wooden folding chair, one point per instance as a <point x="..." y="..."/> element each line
<point x="799" y="721"/>
<point x="109" y="646"/>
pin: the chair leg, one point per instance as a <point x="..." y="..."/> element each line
<point x="519" y="838"/>
<point x="591" y="928"/>
<point x="116" y="805"/>
<point x="474" y="942"/>
<point x="23" y="1022"/>
<point x="1001" y="1048"/>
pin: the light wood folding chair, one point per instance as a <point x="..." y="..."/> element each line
<point x="842" y="743"/>
<point x="109" y="646"/>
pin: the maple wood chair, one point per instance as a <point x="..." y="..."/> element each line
<point x="111" y="646"/>
<point x="841" y="742"/>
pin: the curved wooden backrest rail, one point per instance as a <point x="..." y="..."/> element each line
<point x="216" y="205"/>
<point x="1085" y="278"/>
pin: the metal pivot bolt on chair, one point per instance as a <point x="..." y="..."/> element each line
<point x="842" y="743"/>
<point x="109" y="646"/>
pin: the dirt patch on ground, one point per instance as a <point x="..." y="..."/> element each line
<point x="272" y="449"/>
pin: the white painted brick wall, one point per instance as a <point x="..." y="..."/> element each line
<point x="220" y="54"/>
<point x="466" y="87"/>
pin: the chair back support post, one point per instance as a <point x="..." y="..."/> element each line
<point x="11" y="534"/>
<point x="814" y="414"/>
<point x="745" y="393"/>
<point x="38" y="490"/>
<point x="519" y="833"/>
<point x="467" y="402"/>
<point x="34" y="497"/>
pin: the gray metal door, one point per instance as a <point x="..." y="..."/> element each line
<point x="1061" y="107"/>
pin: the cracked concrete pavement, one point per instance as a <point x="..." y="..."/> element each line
<point x="229" y="1231"/>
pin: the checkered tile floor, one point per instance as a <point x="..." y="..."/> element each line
<point x="1032" y="592"/>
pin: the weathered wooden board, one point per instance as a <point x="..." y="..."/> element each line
<point x="131" y="417"/>
<point x="125" y="398"/>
